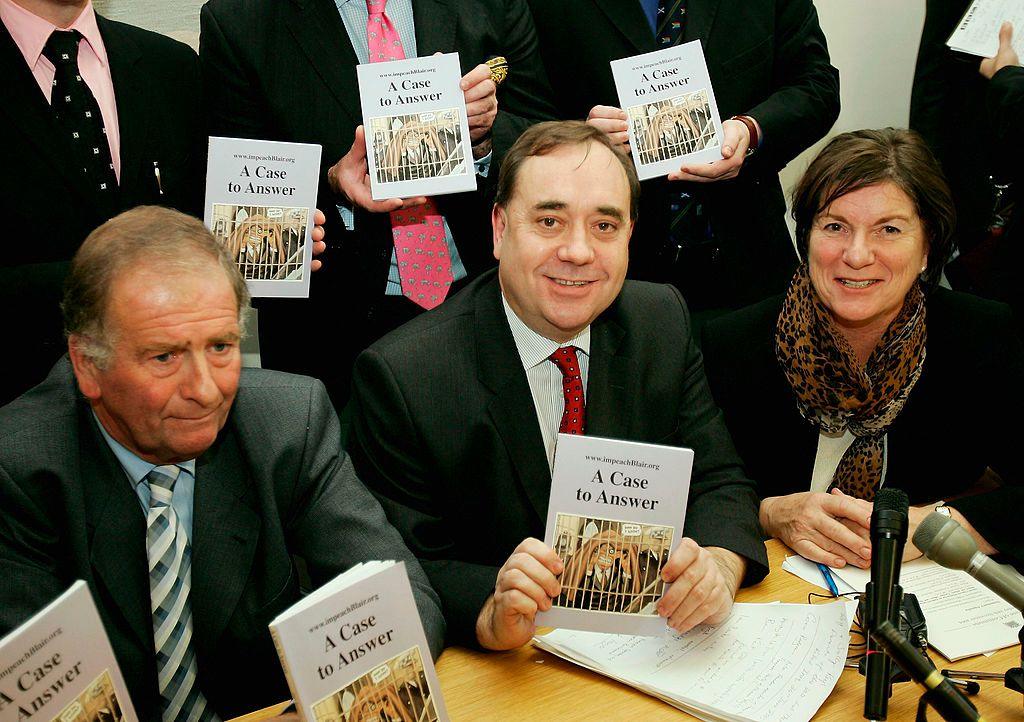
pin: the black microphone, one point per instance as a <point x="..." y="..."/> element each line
<point x="947" y="543"/>
<point x="942" y="695"/>
<point x="883" y="595"/>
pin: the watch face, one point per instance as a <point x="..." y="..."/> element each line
<point x="944" y="510"/>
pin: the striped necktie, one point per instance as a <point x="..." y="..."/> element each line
<point x="170" y="577"/>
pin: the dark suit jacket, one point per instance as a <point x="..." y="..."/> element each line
<point x="275" y="484"/>
<point x="953" y="426"/>
<point x="45" y="205"/>
<point x="767" y="59"/>
<point x="446" y="434"/>
<point x="285" y="70"/>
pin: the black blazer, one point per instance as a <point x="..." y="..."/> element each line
<point x="952" y="427"/>
<point x="276" y="483"/>
<point x="446" y="435"/>
<point x="766" y="58"/>
<point x="285" y="70"/>
<point x="44" y="202"/>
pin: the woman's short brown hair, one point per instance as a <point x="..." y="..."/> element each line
<point x="863" y="158"/>
<point x="542" y="138"/>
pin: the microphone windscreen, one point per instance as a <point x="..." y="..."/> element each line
<point x="928" y="529"/>
<point x="889" y="499"/>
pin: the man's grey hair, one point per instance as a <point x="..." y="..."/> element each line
<point x="147" y="237"/>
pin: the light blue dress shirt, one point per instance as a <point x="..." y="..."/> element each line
<point x="355" y="16"/>
<point x="136" y="470"/>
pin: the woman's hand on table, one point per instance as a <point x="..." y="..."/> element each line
<point x="828" y="528"/>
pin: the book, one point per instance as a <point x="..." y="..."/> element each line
<point x="417" y="132"/>
<point x="59" y="665"/>
<point x="774" y="662"/>
<point x="355" y="649"/>
<point x="977" y="33"/>
<point x="672" y="113"/>
<point x="614" y="517"/>
<point x="260" y="199"/>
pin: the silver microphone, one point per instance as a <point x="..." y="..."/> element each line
<point x="947" y="543"/>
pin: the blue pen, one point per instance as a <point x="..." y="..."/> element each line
<point x="829" y="579"/>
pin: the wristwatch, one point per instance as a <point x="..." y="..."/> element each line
<point x="941" y="508"/>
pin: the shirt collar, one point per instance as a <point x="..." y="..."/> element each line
<point x="535" y="349"/>
<point x="137" y="469"/>
<point x="30" y="32"/>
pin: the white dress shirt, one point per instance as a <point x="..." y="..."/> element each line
<point x="544" y="377"/>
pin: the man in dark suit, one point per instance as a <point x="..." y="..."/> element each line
<point x="154" y="134"/>
<point x="456" y="413"/>
<point x="152" y="429"/>
<point x="262" y="60"/>
<point x="768" y="62"/>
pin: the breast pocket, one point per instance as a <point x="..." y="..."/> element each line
<point x="752" y="62"/>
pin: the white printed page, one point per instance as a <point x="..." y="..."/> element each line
<point x="767" y="661"/>
<point x="964" y="618"/>
<point x="978" y="31"/>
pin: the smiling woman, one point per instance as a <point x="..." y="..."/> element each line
<point x="865" y="374"/>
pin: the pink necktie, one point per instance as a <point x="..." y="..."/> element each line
<point x="420" y="243"/>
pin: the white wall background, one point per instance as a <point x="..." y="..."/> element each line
<point x="874" y="45"/>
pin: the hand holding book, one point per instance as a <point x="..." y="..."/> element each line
<point x="1006" y="55"/>
<point x="704" y="582"/>
<point x="735" y="142"/>
<point x="350" y="178"/>
<point x="481" y="94"/>
<point x="526" y="583"/>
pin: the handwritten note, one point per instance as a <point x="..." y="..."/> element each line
<point x="767" y="661"/>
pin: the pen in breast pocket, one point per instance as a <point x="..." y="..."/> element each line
<point x="829" y="579"/>
<point x="156" y="173"/>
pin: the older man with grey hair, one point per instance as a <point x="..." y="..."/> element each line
<point x="178" y="485"/>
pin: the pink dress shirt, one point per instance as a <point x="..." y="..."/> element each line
<point x="30" y="33"/>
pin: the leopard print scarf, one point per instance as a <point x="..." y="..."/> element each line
<point x="834" y="392"/>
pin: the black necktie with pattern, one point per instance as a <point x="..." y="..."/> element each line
<point x="79" y="118"/>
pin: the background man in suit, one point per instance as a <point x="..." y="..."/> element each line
<point x="172" y="458"/>
<point x="717" y="231"/>
<point x="457" y="437"/>
<point x="263" y="59"/>
<point x="146" y="89"/>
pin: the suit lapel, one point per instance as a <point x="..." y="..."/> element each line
<point x="435" y="22"/>
<point x="118" y="529"/>
<point x="511" y="408"/>
<point x="130" y="93"/>
<point x="611" y="382"/>
<point x="29" y="111"/>
<point x="628" y="16"/>
<point x="320" y="35"/>
<point x="700" y="15"/>
<point x="225" y="530"/>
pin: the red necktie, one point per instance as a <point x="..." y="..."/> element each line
<point x="574" y="415"/>
<point x="421" y="246"/>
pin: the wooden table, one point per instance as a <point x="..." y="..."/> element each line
<point x="528" y="684"/>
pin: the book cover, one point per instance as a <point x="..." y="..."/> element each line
<point x="672" y="114"/>
<point x="355" y="650"/>
<point x="260" y="199"/>
<point x="615" y="515"/>
<point x="59" y="665"/>
<point x="417" y="132"/>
